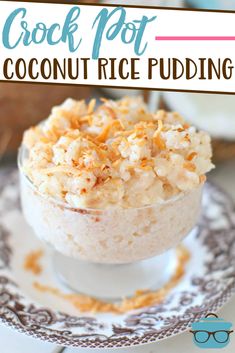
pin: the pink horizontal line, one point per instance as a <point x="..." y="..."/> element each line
<point x="194" y="38"/>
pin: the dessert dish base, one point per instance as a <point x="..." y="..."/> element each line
<point x="115" y="282"/>
<point x="208" y="282"/>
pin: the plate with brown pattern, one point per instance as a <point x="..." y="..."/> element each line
<point x="207" y="284"/>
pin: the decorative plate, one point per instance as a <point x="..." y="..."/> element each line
<point x="209" y="282"/>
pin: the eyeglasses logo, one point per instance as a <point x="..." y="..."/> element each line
<point x="211" y="332"/>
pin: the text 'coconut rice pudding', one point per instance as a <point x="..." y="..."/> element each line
<point x="111" y="184"/>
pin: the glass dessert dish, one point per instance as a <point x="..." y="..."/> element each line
<point x="110" y="253"/>
<point x="113" y="191"/>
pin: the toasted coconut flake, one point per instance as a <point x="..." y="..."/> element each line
<point x="109" y="110"/>
<point x="191" y="156"/>
<point x="32" y="262"/>
<point x="103" y="136"/>
<point x="86" y="119"/>
<point x="189" y="166"/>
<point x="91" y="106"/>
<point x="159" y="142"/>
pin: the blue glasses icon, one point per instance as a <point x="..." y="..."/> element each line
<point x="211" y="332"/>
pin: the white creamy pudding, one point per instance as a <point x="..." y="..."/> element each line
<point x="113" y="184"/>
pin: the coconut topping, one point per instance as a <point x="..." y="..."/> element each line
<point x="115" y="154"/>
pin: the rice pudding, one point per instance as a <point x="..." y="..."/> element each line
<point x="113" y="183"/>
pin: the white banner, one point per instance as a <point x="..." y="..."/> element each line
<point x="135" y="47"/>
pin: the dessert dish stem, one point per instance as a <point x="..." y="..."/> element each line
<point x="114" y="282"/>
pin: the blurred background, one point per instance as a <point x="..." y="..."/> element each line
<point x="23" y="105"/>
